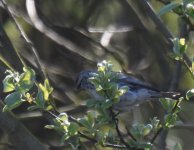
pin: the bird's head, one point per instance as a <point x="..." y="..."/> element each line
<point x="82" y="81"/>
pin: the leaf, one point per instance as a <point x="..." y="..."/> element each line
<point x="190" y="10"/>
<point x="187" y="1"/>
<point x="107" y="104"/>
<point x="177" y="146"/>
<point x="167" y="104"/>
<point x="136" y="131"/>
<point x="33" y="107"/>
<point x="182" y="45"/>
<point x="49" y="126"/>
<point x="27" y="80"/>
<point x="101" y="137"/>
<point x="155" y="122"/>
<point x="192" y="65"/>
<point x="76" y="147"/>
<point x="92" y="103"/>
<point x="73" y="128"/>
<point x="174" y="56"/>
<point x="147" y="129"/>
<point x="46" y="89"/>
<point x="8" y="84"/>
<point x="171" y="120"/>
<point x="12" y="101"/>
<point x="64" y="138"/>
<point x="40" y="99"/>
<point x="49" y="107"/>
<point x="85" y="123"/>
<point x="63" y="117"/>
<point x="189" y="94"/>
<point x="168" y="8"/>
<point x="47" y="85"/>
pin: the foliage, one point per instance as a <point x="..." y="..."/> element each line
<point x="100" y="125"/>
<point x="19" y="86"/>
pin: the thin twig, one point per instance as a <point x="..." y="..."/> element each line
<point x="188" y="68"/>
<point x="176" y="76"/>
<point x="51" y="34"/>
<point x="156" y="135"/>
<point x="26" y="39"/>
<point x="160" y="26"/>
<point x="6" y="63"/>
<point x="115" y="120"/>
<point x="8" y="145"/>
<point x="129" y="134"/>
<point x="85" y="136"/>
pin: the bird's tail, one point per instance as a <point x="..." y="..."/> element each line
<point x="173" y="95"/>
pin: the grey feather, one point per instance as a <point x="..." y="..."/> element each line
<point x="139" y="91"/>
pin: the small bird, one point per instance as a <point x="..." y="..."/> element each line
<point x="139" y="91"/>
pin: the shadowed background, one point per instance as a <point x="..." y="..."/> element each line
<point x="71" y="36"/>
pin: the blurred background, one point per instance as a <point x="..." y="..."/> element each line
<point x="73" y="35"/>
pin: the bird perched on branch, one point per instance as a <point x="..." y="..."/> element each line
<point x="138" y="91"/>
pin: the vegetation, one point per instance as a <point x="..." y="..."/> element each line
<point x="51" y="42"/>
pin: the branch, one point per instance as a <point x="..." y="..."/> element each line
<point x="66" y="43"/>
<point x="129" y="134"/>
<point x="160" y="26"/>
<point x="19" y="136"/>
<point x="26" y="39"/>
<point x="115" y="120"/>
<point x="156" y="135"/>
<point x="71" y="118"/>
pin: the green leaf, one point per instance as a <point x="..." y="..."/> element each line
<point x="155" y="122"/>
<point x="46" y="89"/>
<point x="85" y="123"/>
<point x="92" y="103"/>
<point x="170" y="120"/>
<point x="187" y="1"/>
<point x="64" y="138"/>
<point x="8" y="84"/>
<point x="48" y="86"/>
<point x="49" y="126"/>
<point x="147" y="129"/>
<point x="182" y="45"/>
<point x="122" y="90"/>
<point x="101" y="136"/>
<point x="74" y="147"/>
<point x="191" y="14"/>
<point x="27" y="80"/>
<point x="177" y="146"/>
<point x="179" y="47"/>
<point x="174" y="56"/>
<point x="40" y="99"/>
<point x="49" y="107"/>
<point x="189" y="94"/>
<point x="136" y="130"/>
<point x="192" y="65"/>
<point x="33" y="107"/>
<point x="12" y="101"/>
<point x="168" y="104"/>
<point x="63" y="117"/>
<point x="73" y="128"/>
<point x="107" y="104"/>
<point x="168" y="8"/>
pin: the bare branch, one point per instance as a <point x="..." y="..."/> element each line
<point x="26" y="39"/>
<point x="20" y="137"/>
<point x="39" y="24"/>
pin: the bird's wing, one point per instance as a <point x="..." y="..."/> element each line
<point x="136" y="83"/>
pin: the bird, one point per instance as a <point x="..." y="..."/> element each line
<point x="138" y="91"/>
